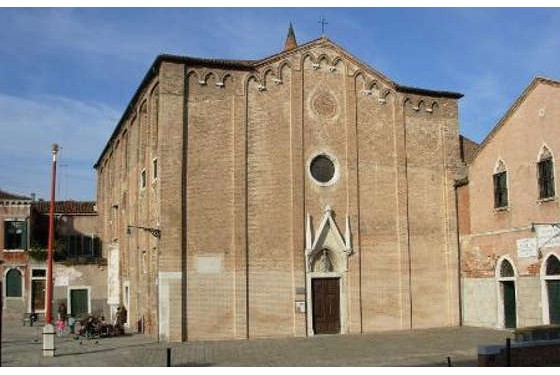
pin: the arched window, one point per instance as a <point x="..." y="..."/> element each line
<point x="545" y="168"/>
<point x="500" y="185"/>
<point x="553" y="266"/>
<point x="506" y="269"/>
<point x="551" y="290"/>
<point x="13" y="283"/>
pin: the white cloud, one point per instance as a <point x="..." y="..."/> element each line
<point x="28" y="128"/>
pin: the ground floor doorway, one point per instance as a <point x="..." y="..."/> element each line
<point x="79" y="302"/>
<point x="38" y="295"/>
<point x="553" y="289"/>
<point x="510" y="317"/>
<point x="326" y="305"/>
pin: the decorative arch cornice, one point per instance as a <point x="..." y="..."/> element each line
<point x="314" y="241"/>
<point x="499" y="262"/>
<point x="545" y="152"/>
<point x="545" y="261"/>
<point x="500" y="166"/>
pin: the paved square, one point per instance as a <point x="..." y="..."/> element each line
<point x="21" y="346"/>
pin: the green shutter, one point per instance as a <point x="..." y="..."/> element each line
<point x="13" y="283"/>
<point x="553" y="287"/>
<point x="509" y="304"/>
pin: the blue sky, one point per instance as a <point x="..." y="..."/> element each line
<point x="66" y="75"/>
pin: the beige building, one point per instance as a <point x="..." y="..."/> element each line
<point x="510" y="230"/>
<point x="299" y="194"/>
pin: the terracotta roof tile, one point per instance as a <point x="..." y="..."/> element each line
<point x="65" y="207"/>
<point x="10" y="196"/>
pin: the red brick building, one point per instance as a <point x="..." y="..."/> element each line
<point x="298" y="194"/>
<point x="509" y="217"/>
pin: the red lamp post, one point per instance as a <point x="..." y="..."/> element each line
<point x="48" y="330"/>
<point x="49" y="298"/>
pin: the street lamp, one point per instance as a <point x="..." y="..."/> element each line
<point x="153" y="231"/>
<point x="48" y="330"/>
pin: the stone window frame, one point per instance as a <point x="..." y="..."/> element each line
<point x="332" y="158"/>
<point x="143" y="179"/>
<point x="27" y="234"/>
<point x="155" y="170"/>
<point x="545" y="156"/>
<point x="5" y="284"/>
<point x="77" y="287"/>
<point x="31" y="278"/>
<point x="544" y="290"/>
<point x="500" y="169"/>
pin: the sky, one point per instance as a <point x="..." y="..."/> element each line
<point x="67" y="74"/>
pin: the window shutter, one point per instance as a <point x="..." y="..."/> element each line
<point x="13" y="283"/>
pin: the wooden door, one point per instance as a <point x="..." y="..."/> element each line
<point x="326" y="305"/>
<point x="509" y="304"/>
<point x="38" y="295"/>
<point x="553" y="287"/>
<point x="79" y="302"/>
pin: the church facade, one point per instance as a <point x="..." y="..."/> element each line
<point x="301" y="194"/>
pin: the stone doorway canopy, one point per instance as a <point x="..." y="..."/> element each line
<point x="326" y="257"/>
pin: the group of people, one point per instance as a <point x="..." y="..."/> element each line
<point x="64" y="320"/>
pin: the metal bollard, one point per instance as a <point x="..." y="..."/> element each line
<point x="508" y="352"/>
<point x="168" y="357"/>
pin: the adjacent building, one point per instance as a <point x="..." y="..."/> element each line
<point x="79" y="271"/>
<point x="510" y="219"/>
<point x="300" y="194"/>
<point x="15" y="216"/>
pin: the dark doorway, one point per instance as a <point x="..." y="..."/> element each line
<point x="553" y="287"/>
<point x="326" y="305"/>
<point x="510" y="317"/>
<point x="38" y="295"/>
<point x="79" y="302"/>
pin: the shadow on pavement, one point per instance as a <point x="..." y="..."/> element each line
<point x="194" y="364"/>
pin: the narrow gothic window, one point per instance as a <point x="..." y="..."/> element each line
<point x="143" y="179"/>
<point x="500" y="190"/>
<point x="500" y="185"/>
<point x="155" y="169"/>
<point x="13" y="283"/>
<point x="546" y="176"/>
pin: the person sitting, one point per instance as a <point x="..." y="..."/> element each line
<point x="32" y="318"/>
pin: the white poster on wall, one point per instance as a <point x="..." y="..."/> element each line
<point x="113" y="285"/>
<point x="527" y="247"/>
<point x="548" y="236"/>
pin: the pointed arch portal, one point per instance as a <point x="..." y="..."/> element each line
<point x="507" y="307"/>
<point x="550" y="275"/>
<point x="326" y="257"/>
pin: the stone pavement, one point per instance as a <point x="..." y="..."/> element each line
<point x="21" y="346"/>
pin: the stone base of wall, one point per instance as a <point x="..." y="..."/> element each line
<point x="537" y="353"/>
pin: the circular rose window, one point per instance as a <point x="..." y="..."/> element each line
<point x="322" y="168"/>
<point x="324" y="104"/>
